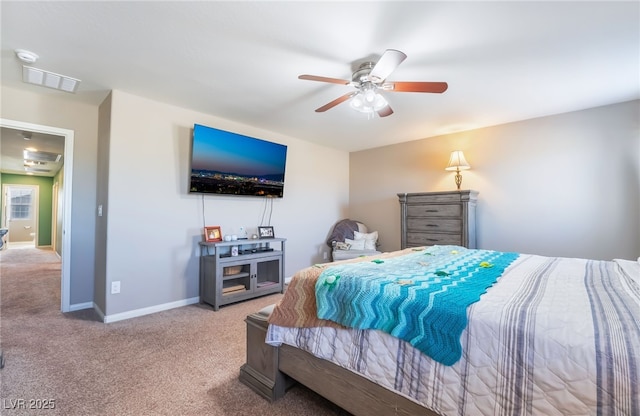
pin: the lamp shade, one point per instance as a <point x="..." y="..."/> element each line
<point x="457" y="161"/>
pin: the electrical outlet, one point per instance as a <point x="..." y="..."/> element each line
<point x="115" y="287"/>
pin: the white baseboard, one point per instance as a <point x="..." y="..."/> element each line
<point x="146" y="311"/>
<point x="81" y="306"/>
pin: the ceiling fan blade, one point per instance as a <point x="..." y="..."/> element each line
<point x="436" y="87"/>
<point x="324" y="79"/>
<point x="336" y="102"/>
<point x="388" y="62"/>
<point x="385" y="111"/>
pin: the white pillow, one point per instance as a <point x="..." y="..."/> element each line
<point x="355" y="244"/>
<point x="370" y="239"/>
<point x="631" y="268"/>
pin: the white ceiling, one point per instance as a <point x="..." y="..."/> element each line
<point x="503" y="61"/>
<point x="13" y="143"/>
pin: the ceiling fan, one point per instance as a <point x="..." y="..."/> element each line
<point x="369" y="79"/>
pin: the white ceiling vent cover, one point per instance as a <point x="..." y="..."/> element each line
<point x="41" y="156"/>
<point x="44" y="78"/>
<point x="36" y="170"/>
<point x="30" y="162"/>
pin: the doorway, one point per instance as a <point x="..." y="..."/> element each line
<point x="64" y="203"/>
<point x="20" y="215"/>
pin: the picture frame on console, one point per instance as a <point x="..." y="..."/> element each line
<point x="212" y="234"/>
<point x="266" y="232"/>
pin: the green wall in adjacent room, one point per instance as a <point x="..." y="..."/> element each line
<point x="45" y="195"/>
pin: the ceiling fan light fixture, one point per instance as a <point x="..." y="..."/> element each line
<point x="357" y="102"/>
<point x="368" y="79"/>
<point x="368" y="102"/>
<point x="370" y="96"/>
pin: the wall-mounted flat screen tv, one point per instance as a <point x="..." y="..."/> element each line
<point x="228" y="163"/>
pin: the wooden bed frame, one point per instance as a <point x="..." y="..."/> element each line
<point x="271" y="371"/>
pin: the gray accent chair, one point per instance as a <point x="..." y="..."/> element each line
<point x="344" y="230"/>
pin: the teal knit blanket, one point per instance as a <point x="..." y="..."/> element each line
<point x="421" y="297"/>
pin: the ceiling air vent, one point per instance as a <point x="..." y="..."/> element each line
<point x="37" y="76"/>
<point x="28" y="162"/>
<point x="36" y="170"/>
<point x="41" y="156"/>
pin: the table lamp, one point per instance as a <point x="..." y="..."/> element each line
<point x="457" y="162"/>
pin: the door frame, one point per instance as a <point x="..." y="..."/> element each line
<point x="54" y="216"/>
<point x="36" y="208"/>
<point x="65" y="280"/>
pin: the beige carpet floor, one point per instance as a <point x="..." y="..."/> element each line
<point x="184" y="361"/>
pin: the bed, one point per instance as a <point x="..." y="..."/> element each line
<point x="552" y="336"/>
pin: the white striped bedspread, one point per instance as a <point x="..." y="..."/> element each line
<point x="554" y="336"/>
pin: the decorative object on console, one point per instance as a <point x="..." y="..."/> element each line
<point x="266" y="232"/>
<point x="212" y="234"/>
<point x="457" y="162"/>
<point x="231" y="270"/>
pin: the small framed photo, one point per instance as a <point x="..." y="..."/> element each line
<point x="265" y="232"/>
<point x="212" y="234"/>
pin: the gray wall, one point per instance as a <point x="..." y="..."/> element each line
<point x="56" y="110"/>
<point x="104" y="134"/>
<point x="153" y="225"/>
<point x="140" y="167"/>
<point x="563" y="185"/>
